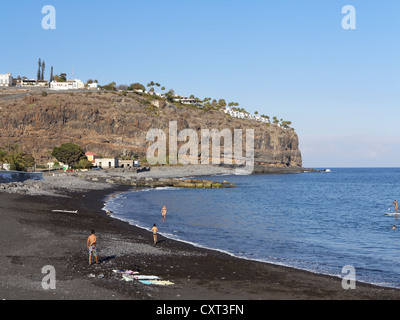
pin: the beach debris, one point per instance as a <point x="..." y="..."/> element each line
<point x="92" y="275"/>
<point x="66" y="211"/>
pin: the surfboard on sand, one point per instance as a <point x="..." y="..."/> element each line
<point x="157" y="282"/>
<point x="143" y="277"/>
<point x="66" y="211"/>
<point x="131" y="277"/>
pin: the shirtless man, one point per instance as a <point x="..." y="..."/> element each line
<point x="91" y="244"/>
<point x="155" y="230"/>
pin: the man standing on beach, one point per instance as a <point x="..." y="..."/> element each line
<point x="91" y="244"/>
<point x="155" y="230"/>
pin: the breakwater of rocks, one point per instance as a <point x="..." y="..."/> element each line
<point x="150" y="182"/>
<point x="61" y="184"/>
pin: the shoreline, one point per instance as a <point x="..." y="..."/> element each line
<point x="33" y="236"/>
<point x="225" y="252"/>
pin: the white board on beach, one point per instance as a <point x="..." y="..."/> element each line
<point x="143" y="277"/>
<point x="66" y="211"/>
<point x="131" y="277"/>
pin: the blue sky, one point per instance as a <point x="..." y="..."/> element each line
<point x="288" y="58"/>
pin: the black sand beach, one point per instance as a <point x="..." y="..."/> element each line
<point x="32" y="236"/>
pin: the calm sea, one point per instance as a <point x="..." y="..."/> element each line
<point x="314" y="221"/>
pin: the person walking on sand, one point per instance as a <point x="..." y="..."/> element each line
<point x="164" y="212"/>
<point x="91" y="244"/>
<point x="155" y="230"/>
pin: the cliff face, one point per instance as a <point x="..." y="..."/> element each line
<point x="111" y="125"/>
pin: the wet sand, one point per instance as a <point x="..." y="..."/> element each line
<point x="32" y="236"/>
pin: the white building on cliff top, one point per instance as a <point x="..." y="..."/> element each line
<point x="68" y="85"/>
<point x="243" y="115"/>
<point x="6" y="80"/>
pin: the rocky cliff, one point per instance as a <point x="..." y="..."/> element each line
<point x="111" y="124"/>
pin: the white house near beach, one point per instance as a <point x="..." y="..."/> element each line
<point x="106" y="163"/>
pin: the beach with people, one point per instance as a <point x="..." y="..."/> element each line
<point x="43" y="228"/>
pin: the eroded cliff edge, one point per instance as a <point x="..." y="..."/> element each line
<point x="112" y="124"/>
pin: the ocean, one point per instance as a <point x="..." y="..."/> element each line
<point x="315" y="221"/>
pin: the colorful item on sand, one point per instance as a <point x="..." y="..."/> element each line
<point x="157" y="282"/>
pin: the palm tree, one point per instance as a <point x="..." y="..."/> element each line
<point x="16" y="161"/>
<point x="151" y="84"/>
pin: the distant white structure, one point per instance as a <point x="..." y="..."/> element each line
<point x="6" y="80"/>
<point x="244" y="115"/>
<point x="152" y="93"/>
<point x="32" y="83"/>
<point x="186" y="100"/>
<point x="54" y="85"/>
<point x="93" y="86"/>
<point x="77" y="84"/>
<point x="106" y="163"/>
<point x="68" y="85"/>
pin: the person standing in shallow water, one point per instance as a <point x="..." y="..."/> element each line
<point x="155" y="230"/>
<point x="91" y="245"/>
<point x="164" y="212"/>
